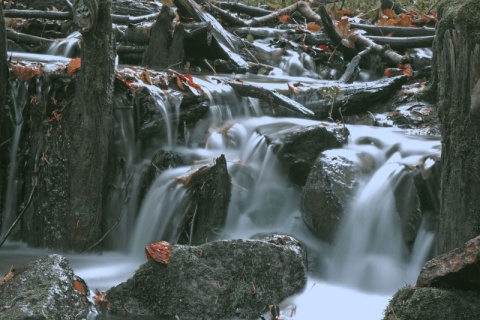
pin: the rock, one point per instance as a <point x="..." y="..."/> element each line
<point x="297" y="148"/>
<point x="433" y="304"/>
<point x="209" y="192"/>
<point x="459" y="268"/>
<point x="329" y="188"/>
<point x="217" y="280"/>
<point x="43" y="289"/>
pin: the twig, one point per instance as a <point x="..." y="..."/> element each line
<point x="125" y="201"/>
<point x="30" y="198"/>
<point x="5" y="142"/>
<point x="433" y="6"/>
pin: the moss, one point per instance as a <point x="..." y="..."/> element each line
<point x="412" y="303"/>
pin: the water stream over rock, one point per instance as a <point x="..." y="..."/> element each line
<point x="368" y="259"/>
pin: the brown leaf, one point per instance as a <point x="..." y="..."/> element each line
<point x="101" y="302"/>
<point x="313" y="27"/>
<point x="145" y="77"/>
<point x="294" y="90"/>
<point x="25" y="72"/>
<point x="284" y="18"/>
<point x="9" y="276"/>
<point x="159" y="251"/>
<point x="343" y="27"/>
<point x="74" y="65"/>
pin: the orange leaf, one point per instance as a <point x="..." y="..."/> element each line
<point x="284" y="18"/>
<point x="159" y="251"/>
<point x="406" y="69"/>
<point x="79" y="287"/>
<point x="9" y="276"/>
<point x="101" y="302"/>
<point x="25" y="72"/>
<point x="74" y="65"/>
<point x="145" y="77"/>
<point x="343" y="27"/>
<point x="389" y="13"/>
<point x="191" y="83"/>
<point x="294" y="90"/>
<point x="312" y="26"/>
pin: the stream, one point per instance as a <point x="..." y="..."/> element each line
<point x="351" y="279"/>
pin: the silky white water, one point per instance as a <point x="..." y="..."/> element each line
<point x="365" y="265"/>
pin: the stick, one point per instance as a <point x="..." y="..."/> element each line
<point x="19" y="217"/>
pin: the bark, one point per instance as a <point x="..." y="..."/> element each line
<point x="27" y="38"/>
<point x="4" y="136"/>
<point x="55" y="15"/>
<point x="91" y="126"/>
<point x="225" y="45"/>
<point x="209" y="192"/>
<point x="457" y="70"/>
<point x="165" y="49"/>
<point x="274" y="98"/>
<point x="394" y="31"/>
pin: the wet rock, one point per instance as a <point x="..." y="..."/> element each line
<point x="459" y="268"/>
<point x="161" y="161"/>
<point x="284" y="240"/>
<point x="43" y="289"/>
<point x="217" y="280"/>
<point x="209" y="190"/>
<point x="412" y="303"/>
<point x="298" y="148"/>
<point x="328" y="190"/>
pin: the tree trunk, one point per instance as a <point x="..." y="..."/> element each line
<point x="89" y="129"/>
<point x="3" y="115"/>
<point x="456" y="71"/>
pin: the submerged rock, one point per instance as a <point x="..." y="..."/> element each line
<point x="328" y="190"/>
<point x="43" y="289"/>
<point x="433" y="304"/>
<point x="217" y="280"/>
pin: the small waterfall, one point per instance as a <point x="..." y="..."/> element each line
<point x="68" y="47"/>
<point x="369" y="250"/>
<point x="19" y="91"/>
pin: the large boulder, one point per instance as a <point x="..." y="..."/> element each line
<point x="217" y="280"/>
<point x="459" y="268"/>
<point x="328" y="190"/>
<point x="413" y="303"/>
<point x="297" y="148"/>
<point x="43" y="289"/>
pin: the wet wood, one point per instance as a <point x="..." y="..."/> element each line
<point x="403" y="42"/>
<point x="226" y="44"/>
<point x="394" y="31"/>
<point x="56" y="15"/>
<point x="243" y="9"/>
<point x="165" y="49"/>
<point x="5" y="124"/>
<point x="274" y="98"/>
<point x="27" y="38"/>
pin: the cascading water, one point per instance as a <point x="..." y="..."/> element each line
<point x="368" y="254"/>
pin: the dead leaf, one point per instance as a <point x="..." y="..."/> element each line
<point x="159" y="251"/>
<point x="313" y="27"/>
<point x="101" y="302"/>
<point x="284" y="18"/>
<point x="74" y="65"/>
<point x="343" y="27"/>
<point x="145" y="77"/>
<point x="294" y="90"/>
<point x="25" y="72"/>
<point x="9" y="276"/>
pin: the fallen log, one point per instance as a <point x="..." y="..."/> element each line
<point x="394" y="31"/>
<point x="271" y="96"/>
<point x="243" y="9"/>
<point x="26" y="38"/>
<point x="56" y="15"/>
<point x="403" y="42"/>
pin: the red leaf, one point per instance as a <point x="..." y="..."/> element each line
<point x="159" y="251"/>
<point x="25" y="72"/>
<point x="284" y="18"/>
<point x="74" y="65"/>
